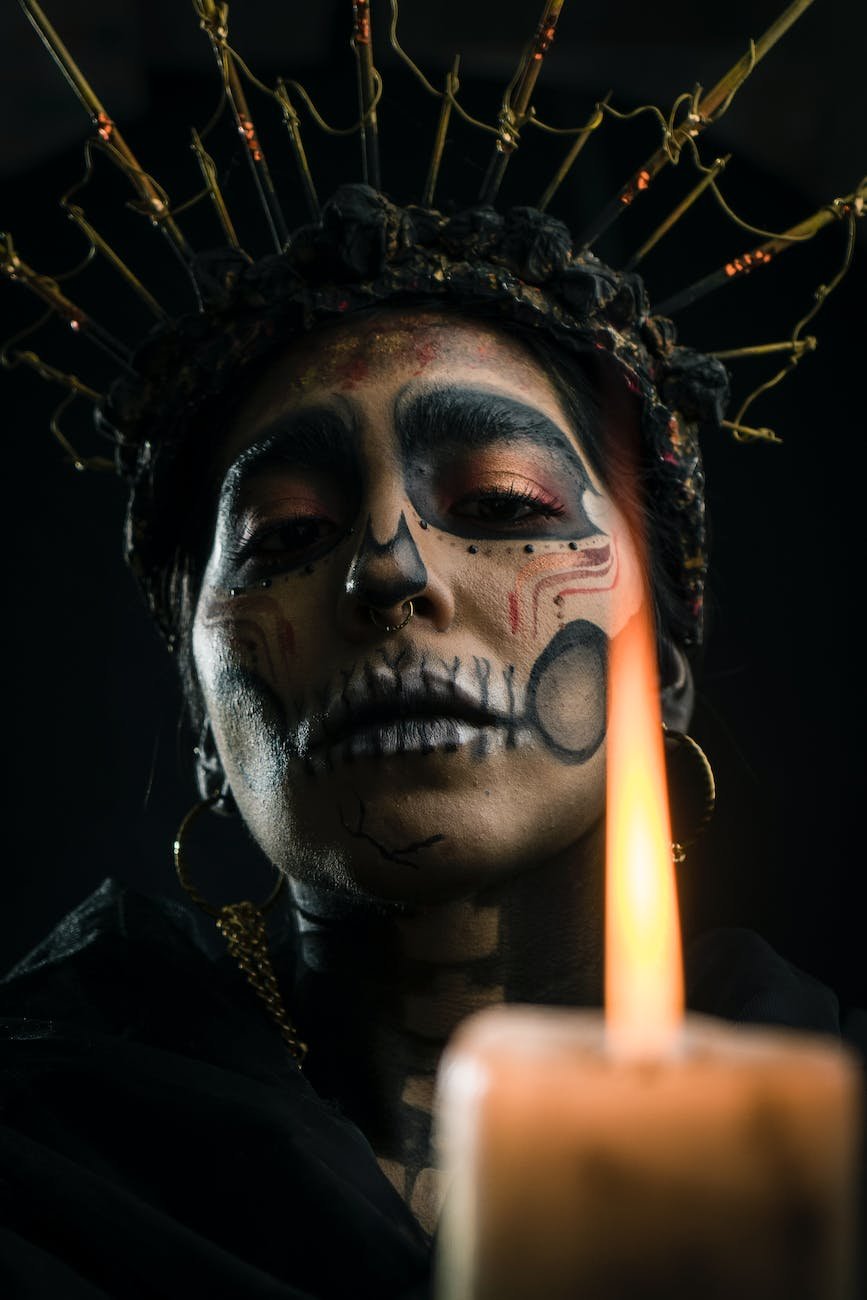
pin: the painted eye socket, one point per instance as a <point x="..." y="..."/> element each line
<point x="285" y="542"/>
<point x="509" y="506"/>
<point x="293" y="535"/>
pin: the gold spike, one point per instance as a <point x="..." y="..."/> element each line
<point x="209" y="172"/>
<point x="715" y="102"/>
<point x="853" y="205"/>
<point x="44" y="287"/>
<point x="362" y="44"/>
<point x="75" y="389"/>
<point x="152" y="198"/>
<point x="76" y="214"/>
<point x="516" y="106"/>
<point x="685" y="204"/>
<point x="581" y="139"/>
<point x="732" y="80"/>
<point x="214" y="19"/>
<point x="797" y="347"/>
<point x="80" y="463"/>
<point x="442" y="131"/>
<point x="293" y="126"/>
<point x="50" y="373"/>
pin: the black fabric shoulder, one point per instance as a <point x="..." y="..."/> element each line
<point x="734" y="973"/>
<point x="159" y="1141"/>
<point x="113" y="908"/>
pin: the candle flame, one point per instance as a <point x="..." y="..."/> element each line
<point x="643" y="965"/>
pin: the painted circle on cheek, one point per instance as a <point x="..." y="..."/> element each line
<point x="566" y="692"/>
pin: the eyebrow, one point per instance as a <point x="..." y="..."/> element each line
<point x="452" y="414"/>
<point x="316" y="437"/>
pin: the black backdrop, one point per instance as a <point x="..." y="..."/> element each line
<point x="98" y="770"/>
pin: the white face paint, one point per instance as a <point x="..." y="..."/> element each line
<point x="424" y="458"/>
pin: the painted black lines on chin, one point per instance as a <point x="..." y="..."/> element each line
<point x="384" y="574"/>
<point x="397" y="855"/>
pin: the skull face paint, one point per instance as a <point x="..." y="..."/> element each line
<point x="354" y="476"/>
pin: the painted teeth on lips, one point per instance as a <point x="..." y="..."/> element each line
<point x="382" y="704"/>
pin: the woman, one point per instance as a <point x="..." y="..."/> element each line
<point x="386" y="521"/>
<point x="384" y="493"/>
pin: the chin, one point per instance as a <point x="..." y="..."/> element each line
<point x="427" y="829"/>
<point x="423" y="850"/>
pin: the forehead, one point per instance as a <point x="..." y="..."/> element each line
<point x="365" y="362"/>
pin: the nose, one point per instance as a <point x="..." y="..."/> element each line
<point x="388" y="583"/>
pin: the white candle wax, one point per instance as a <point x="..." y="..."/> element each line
<point x="726" y="1171"/>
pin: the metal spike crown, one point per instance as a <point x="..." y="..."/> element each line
<point x="681" y="129"/>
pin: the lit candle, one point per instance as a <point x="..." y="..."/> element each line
<point x="642" y="1153"/>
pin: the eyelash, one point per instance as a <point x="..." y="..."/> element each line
<point x="253" y="547"/>
<point x="539" y="503"/>
<point x="543" y="505"/>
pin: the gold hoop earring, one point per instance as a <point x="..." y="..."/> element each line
<point x="694" y="749"/>
<point x="391" y="627"/>
<point x="242" y="925"/>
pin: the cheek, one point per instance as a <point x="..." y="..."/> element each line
<point x="528" y="592"/>
<point x="558" y="585"/>
<point x="566" y="691"/>
<point x="243" y="648"/>
<point x="248" y="632"/>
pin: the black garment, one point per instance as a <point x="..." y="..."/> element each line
<point x="159" y="1142"/>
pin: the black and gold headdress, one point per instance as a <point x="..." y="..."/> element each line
<point x="359" y="249"/>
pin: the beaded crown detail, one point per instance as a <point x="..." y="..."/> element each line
<point x="359" y="250"/>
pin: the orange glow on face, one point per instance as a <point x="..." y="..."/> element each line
<point x="643" y="966"/>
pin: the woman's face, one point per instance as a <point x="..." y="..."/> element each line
<point x="411" y="456"/>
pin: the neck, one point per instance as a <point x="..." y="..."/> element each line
<point x="380" y="991"/>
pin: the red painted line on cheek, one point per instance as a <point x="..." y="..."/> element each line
<point x="254" y="625"/>
<point x="603" y="578"/>
<point x="593" y="566"/>
<point x="514" y="613"/>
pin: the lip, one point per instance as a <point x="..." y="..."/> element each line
<point x="374" y="714"/>
<point x="416" y="734"/>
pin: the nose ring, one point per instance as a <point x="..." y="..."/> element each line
<point x="391" y="627"/>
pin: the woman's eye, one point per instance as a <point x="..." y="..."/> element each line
<point x="286" y="540"/>
<point x="295" y="535"/>
<point x="510" y="506"/>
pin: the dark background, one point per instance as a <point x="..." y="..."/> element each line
<point x="99" y="769"/>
